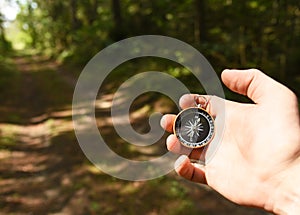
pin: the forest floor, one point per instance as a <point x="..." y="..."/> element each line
<point x="44" y="171"/>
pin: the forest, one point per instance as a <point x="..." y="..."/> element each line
<point x="43" y="51"/>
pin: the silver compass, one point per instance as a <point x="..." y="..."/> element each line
<point x="194" y="127"/>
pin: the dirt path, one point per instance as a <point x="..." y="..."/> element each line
<point x="43" y="170"/>
<point x="38" y="152"/>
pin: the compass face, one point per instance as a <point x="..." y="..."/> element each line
<point x="194" y="127"/>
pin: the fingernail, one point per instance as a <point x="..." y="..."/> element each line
<point x="163" y="122"/>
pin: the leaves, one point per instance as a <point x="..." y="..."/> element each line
<point x="253" y="33"/>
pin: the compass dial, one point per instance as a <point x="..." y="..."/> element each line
<point x="194" y="127"/>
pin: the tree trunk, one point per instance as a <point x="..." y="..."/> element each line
<point x="92" y="12"/>
<point x="199" y="22"/>
<point x="74" y="21"/>
<point x="118" y="30"/>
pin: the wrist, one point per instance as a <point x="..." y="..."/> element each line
<point x="285" y="198"/>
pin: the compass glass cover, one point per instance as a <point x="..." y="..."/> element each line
<point x="194" y="127"/>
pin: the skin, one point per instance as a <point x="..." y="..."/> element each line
<point x="258" y="160"/>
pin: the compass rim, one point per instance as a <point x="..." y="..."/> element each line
<point x="208" y="138"/>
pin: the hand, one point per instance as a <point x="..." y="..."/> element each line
<point x="258" y="160"/>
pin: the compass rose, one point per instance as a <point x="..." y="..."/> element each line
<point x="193" y="127"/>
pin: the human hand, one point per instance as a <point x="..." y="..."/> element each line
<point x="258" y="160"/>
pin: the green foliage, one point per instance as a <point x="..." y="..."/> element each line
<point x="241" y="34"/>
<point x="7" y="139"/>
<point x="5" y="46"/>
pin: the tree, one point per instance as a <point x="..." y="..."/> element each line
<point x="118" y="29"/>
<point x="4" y="44"/>
<point x="200" y="27"/>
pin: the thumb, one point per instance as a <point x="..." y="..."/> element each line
<point x="252" y="83"/>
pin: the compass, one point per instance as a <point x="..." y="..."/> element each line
<point x="194" y="127"/>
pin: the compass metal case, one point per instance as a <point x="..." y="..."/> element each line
<point x="194" y="127"/>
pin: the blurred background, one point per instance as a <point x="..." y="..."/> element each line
<point x="45" y="44"/>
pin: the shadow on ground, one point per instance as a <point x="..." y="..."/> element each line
<point x="44" y="171"/>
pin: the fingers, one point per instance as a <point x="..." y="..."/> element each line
<point x="173" y="145"/>
<point x="176" y="147"/>
<point x="252" y="83"/>
<point x="189" y="171"/>
<point x="167" y="121"/>
<point x="188" y="100"/>
<point x="172" y="142"/>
